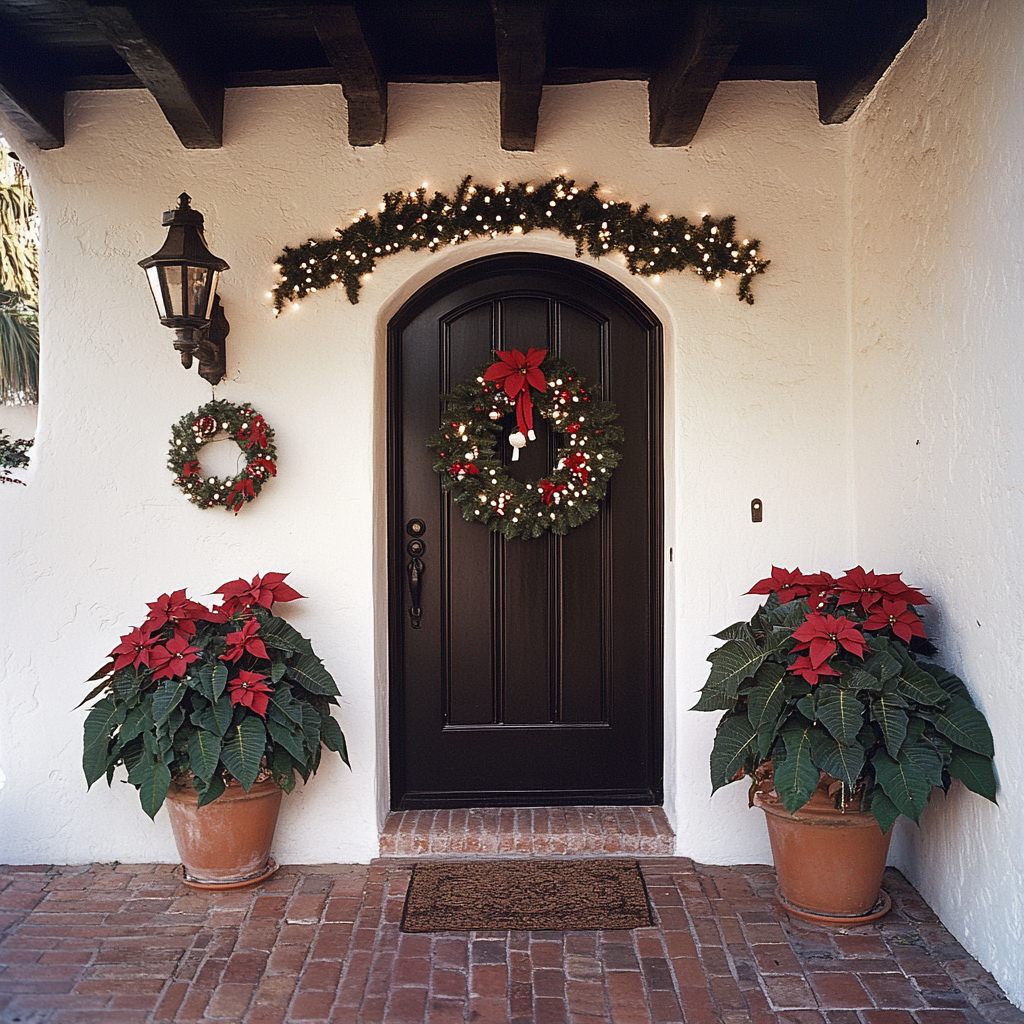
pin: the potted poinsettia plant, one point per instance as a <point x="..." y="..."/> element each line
<point x="835" y="711"/>
<point x="214" y="710"/>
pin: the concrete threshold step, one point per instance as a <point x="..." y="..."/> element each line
<point x="529" y="832"/>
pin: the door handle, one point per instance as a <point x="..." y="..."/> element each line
<point x="414" y="570"/>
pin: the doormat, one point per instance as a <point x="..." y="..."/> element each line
<point x="520" y="895"/>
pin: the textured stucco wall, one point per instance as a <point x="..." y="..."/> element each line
<point x="937" y="175"/>
<point x="751" y="397"/>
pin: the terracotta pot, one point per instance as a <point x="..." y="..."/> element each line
<point x="829" y="861"/>
<point x="225" y="844"/>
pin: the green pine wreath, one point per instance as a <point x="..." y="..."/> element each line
<point x="248" y="429"/>
<point x="465" y="449"/>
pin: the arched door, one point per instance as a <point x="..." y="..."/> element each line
<point x="534" y="676"/>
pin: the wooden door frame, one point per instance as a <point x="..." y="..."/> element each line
<point x="472" y="271"/>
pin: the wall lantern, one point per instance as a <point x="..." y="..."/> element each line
<point x="183" y="276"/>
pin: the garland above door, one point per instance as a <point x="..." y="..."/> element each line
<point x="410" y="221"/>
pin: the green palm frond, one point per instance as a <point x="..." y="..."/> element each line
<point x="19" y="285"/>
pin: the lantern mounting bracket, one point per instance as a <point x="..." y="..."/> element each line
<point x="208" y="344"/>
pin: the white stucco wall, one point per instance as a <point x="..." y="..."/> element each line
<point x="937" y="176"/>
<point x="100" y="530"/>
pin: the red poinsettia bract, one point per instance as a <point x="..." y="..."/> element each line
<point x="789" y="585"/>
<point x="822" y="636"/>
<point x="896" y="615"/>
<point x="245" y="641"/>
<point x="176" y="608"/>
<point x="250" y="690"/>
<point x="263" y="590"/>
<point x="803" y="667"/>
<point x="170" y="660"/>
<point x="134" y="648"/>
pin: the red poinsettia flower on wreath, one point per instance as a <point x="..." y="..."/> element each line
<point x="517" y="372"/>
<point x="254" y="434"/>
<point x="250" y="690"/>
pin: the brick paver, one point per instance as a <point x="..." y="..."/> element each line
<point x="529" y="832"/>
<point x="129" y="944"/>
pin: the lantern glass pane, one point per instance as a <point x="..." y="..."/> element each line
<point x="158" y="291"/>
<point x="198" y="299"/>
<point x="213" y="294"/>
<point x="172" y="275"/>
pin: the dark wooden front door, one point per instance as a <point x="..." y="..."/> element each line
<point x="535" y="674"/>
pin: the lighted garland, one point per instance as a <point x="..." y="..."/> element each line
<point x="465" y="448"/>
<point x="248" y="429"/>
<point x="410" y="221"/>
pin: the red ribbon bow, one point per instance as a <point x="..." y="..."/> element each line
<point x="548" y="490"/>
<point x="577" y="463"/>
<point x="517" y="372"/>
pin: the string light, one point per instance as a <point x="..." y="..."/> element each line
<point x="648" y="246"/>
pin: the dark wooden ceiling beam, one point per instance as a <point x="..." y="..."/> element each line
<point x="365" y="88"/>
<point x="29" y="97"/>
<point x="707" y="37"/>
<point x="852" y="67"/>
<point x="521" y="36"/>
<point x="191" y="99"/>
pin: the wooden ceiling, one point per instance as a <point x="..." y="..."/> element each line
<point x="186" y="52"/>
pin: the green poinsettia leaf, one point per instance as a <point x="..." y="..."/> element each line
<point x="204" y="753"/>
<point x="903" y="783"/>
<point x="281" y="707"/>
<point x="222" y="712"/>
<point x="917" y="685"/>
<point x="737" y="631"/>
<point x="855" y="678"/>
<point x="209" y="791"/>
<point x="927" y="758"/>
<point x="277" y="671"/>
<point x="964" y="724"/>
<point x="309" y="672"/>
<point x="882" y="665"/>
<point x="243" y="750"/>
<point x="805" y="705"/>
<point x="764" y="704"/>
<point x="151" y="778"/>
<point x="884" y="810"/>
<point x="293" y="740"/>
<point x="840" y="760"/>
<point x="974" y="771"/>
<point x="282" y="636"/>
<point x="796" y="776"/>
<point x="888" y="712"/>
<point x="100" y="723"/>
<point x="283" y="769"/>
<point x="713" y="698"/>
<point x="733" y="663"/>
<point x="220" y="680"/>
<point x="333" y="737"/>
<point x="733" y="749"/>
<point x="840" y="712"/>
<point x="167" y="698"/>
<point x="953" y="685"/>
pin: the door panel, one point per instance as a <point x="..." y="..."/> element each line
<point x="535" y="674"/>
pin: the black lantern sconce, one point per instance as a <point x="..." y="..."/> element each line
<point x="183" y="275"/>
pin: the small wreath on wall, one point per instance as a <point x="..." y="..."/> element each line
<point x="601" y="227"/>
<point x="465" y="446"/>
<point x="243" y="425"/>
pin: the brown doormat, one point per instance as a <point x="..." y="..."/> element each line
<point x="520" y="895"/>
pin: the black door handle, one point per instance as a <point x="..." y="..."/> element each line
<point x="414" y="570"/>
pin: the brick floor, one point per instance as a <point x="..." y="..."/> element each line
<point x="529" y="831"/>
<point x="129" y="944"/>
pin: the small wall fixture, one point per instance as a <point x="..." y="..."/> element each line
<point x="183" y="275"/>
